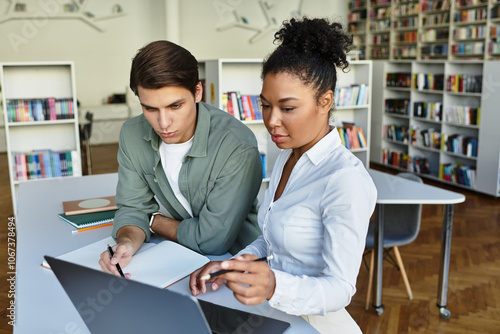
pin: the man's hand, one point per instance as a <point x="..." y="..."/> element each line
<point x="130" y="239"/>
<point x="123" y="253"/>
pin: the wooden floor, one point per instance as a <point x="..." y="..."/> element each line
<point x="474" y="285"/>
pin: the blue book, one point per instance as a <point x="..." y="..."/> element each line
<point x="263" y="160"/>
<point x="48" y="164"/>
<point x="256" y="106"/>
<point x="56" y="164"/>
<point x="37" y="166"/>
<point x="64" y="164"/>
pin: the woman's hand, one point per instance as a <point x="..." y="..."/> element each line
<point x="122" y="254"/>
<point x="196" y="285"/>
<point x="251" y="282"/>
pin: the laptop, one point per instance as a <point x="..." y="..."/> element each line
<point x="113" y="304"/>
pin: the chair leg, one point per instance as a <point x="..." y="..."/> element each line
<point x="89" y="157"/>
<point x="399" y="260"/>
<point x="370" y="280"/>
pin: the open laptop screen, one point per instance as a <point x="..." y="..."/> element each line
<point x="112" y="304"/>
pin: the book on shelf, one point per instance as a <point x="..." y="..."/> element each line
<point x="352" y="132"/>
<point x="257" y="106"/>
<point x="264" y="162"/>
<point x="89" y="205"/>
<point x="224" y="103"/>
<point x="40" y="164"/>
<point x="428" y="110"/>
<point x="34" y="110"/>
<point x="470" y="15"/>
<point x="464" y="83"/>
<point x="398" y="79"/>
<point x="245" y="107"/>
<point x="352" y="137"/>
<point x="428" y="81"/>
<point x="459" y="144"/>
<point x="86" y="221"/>
<point x="396" y="132"/>
<point x="362" y="138"/>
<point x="160" y="264"/>
<point x="397" y="106"/>
<point x="466" y="115"/>
<point x="469" y="32"/>
<point x="471" y="48"/>
<point x="403" y="160"/>
<point x="427" y="137"/>
<point x="458" y="173"/>
<point x="351" y="96"/>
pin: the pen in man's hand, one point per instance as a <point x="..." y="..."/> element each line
<point x="220" y="272"/>
<point x="110" y="251"/>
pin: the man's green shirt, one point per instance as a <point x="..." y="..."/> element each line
<point x="220" y="177"/>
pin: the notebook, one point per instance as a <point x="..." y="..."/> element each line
<point x="89" y="205"/>
<point x="87" y="220"/>
<point x="159" y="264"/>
<point x="113" y="304"/>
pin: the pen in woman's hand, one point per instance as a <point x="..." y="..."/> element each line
<point x="220" y="272"/>
<point x="110" y="251"/>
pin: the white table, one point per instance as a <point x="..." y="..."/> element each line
<point x="397" y="190"/>
<point x="42" y="306"/>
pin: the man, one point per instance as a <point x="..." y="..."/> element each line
<point x="199" y="163"/>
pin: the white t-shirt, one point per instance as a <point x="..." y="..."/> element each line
<point x="172" y="156"/>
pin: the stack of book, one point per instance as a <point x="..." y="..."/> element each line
<point x="89" y="213"/>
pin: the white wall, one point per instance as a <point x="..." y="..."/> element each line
<point x="102" y="59"/>
<point x="199" y="28"/>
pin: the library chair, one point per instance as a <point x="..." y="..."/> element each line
<point x="401" y="227"/>
<point x="85" y="133"/>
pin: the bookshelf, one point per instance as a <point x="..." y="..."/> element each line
<point x="441" y="123"/>
<point x="41" y="122"/>
<point x="426" y="30"/>
<point x="243" y="75"/>
<point x="359" y="112"/>
<point x="239" y="75"/>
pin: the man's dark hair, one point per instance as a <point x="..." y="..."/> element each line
<point x="163" y="63"/>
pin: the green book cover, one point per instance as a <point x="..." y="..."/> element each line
<point x="85" y="220"/>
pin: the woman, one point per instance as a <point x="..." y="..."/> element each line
<point x="315" y="213"/>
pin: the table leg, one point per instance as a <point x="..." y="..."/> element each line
<point x="444" y="267"/>
<point x="378" y="248"/>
